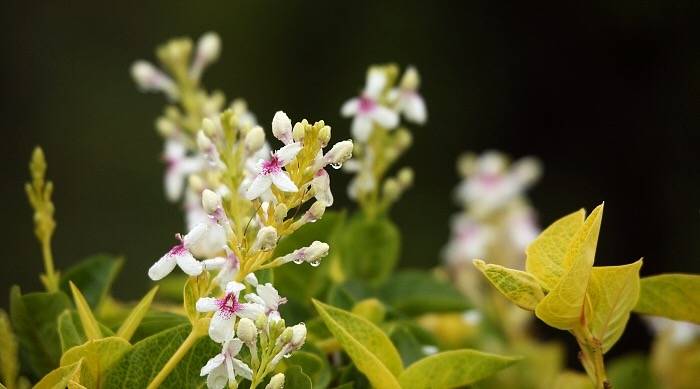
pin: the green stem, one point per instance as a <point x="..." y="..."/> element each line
<point x="591" y="357"/>
<point x="191" y="339"/>
<point x="51" y="279"/>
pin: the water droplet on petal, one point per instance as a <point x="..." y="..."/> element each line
<point x="314" y="263"/>
<point x="336" y="166"/>
<point x="288" y="355"/>
<point x="299" y="261"/>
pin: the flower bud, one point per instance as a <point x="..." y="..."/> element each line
<point x="195" y="183"/>
<point x="150" y="79"/>
<point x="266" y="239"/>
<point x="298" y="132"/>
<point x="405" y="177"/>
<point x="298" y="335"/>
<point x="209" y="127"/>
<point x="211" y="201"/>
<point x="286" y="336"/>
<point x="209" y="47"/>
<point x="311" y="254"/>
<point x="341" y="152"/>
<point x="324" y="135"/>
<point x="315" y="212"/>
<point x="166" y="128"/>
<point x="261" y="322"/>
<point x="276" y="382"/>
<point x="411" y="79"/>
<point x="282" y="127"/>
<point x="392" y="189"/>
<point x="254" y="139"/>
<point x="203" y="142"/>
<point x="403" y="139"/>
<point x="247" y="331"/>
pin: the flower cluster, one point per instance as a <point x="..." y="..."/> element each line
<point x="496" y="221"/>
<point x="380" y="139"/>
<point x="241" y="199"/>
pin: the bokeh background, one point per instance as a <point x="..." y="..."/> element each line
<point x="604" y="93"/>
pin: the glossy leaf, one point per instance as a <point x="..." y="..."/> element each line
<point x="155" y="322"/>
<point x="369" y="248"/>
<point x="561" y="308"/>
<point x="62" y="377"/>
<point x="195" y="287"/>
<point x="34" y="318"/>
<point x="416" y="292"/>
<point x="97" y="356"/>
<point x="368" y="347"/>
<point x="612" y="292"/>
<point x="295" y="378"/>
<point x="517" y="286"/>
<point x="132" y="322"/>
<point x="93" y="277"/>
<point x="87" y="318"/>
<point x="675" y="296"/>
<point x="451" y="369"/>
<point x="545" y="255"/>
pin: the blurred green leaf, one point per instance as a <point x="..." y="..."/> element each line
<point x="93" y="276"/>
<point x="295" y="378"/>
<point x="35" y="318"/>
<point x="630" y="372"/>
<point x="573" y="380"/>
<point x="140" y="365"/>
<point x="451" y="369"/>
<point x="369" y="248"/>
<point x="407" y="344"/>
<point x="132" y="322"/>
<point x="314" y="366"/>
<point x="370" y="349"/>
<point x="415" y="292"/>
<point x="155" y="322"/>
<point x="9" y="355"/>
<point x="675" y="296"/>
<point x="338" y="296"/>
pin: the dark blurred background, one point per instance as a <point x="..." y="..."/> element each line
<point x="605" y="93"/>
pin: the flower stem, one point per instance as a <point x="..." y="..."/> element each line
<point x="191" y="339"/>
<point x="50" y="278"/>
<point x="591" y="357"/>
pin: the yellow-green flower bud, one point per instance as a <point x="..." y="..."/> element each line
<point x="247" y="331"/>
<point x="324" y="135"/>
<point x="254" y="139"/>
<point x="405" y="177"/>
<point x="211" y="201"/>
<point x="298" y="132"/>
<point x="209" y="127"/>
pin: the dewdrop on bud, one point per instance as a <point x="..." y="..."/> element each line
<point x="247" y="331"/>
<point x="405" y="177"/>
<point x="324" y="135"/>
<point x="276" y="382"/>
<point x="341" y="152"/>
<point x="166" y="128"/>
<point x="298" y="132"/>
<point x="266" y="239"/>
<point x="209" y="127"/>
<point x="254" y="139"/>
<point x="392" y="189"/>
<point x="404" y="139"/>
<point x="211" y="201"/>
<point x="203" y="142"/>
<point x="209" y="47"/>
<point x="311" y="254"/>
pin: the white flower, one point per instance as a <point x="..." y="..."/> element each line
<point x="179" y="255"/>
<point x="364" y="180"/>
<point x="469" y="240"/>
<point x="222" y="369"/>
<point x="336" y="156"/>
<point x="207" y="239"/>
<point x="282" y="127"/>
<point x="178" y="167"/>
<point x="269" y="171"/>
<point x="268" y="297"/>
<point x="522" y="228"/>
<point x="221" y="327"/>
<point x="151" y="79"/>
<point x="266" y="239"/>
<point x="406" y="97"/>
<point x="194" y="212"/>
<point x="276" y="382"/>
<point x="228" y="267"/>
<point x="367" y="110"/>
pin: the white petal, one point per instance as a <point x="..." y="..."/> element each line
<point x="218" y="378"/>
<point x="350" y="107"/>
<point x="361" y="127"/>
<point x="188" y="264"/>
<point x="269" y="294"/>
<point x="287" y="153"/>
<point x="283" y="182"/>
<point x="214" y="263"/>
<point x="234" y="287"/>
<point x="212" y="364"/>
<point x="233" y="347"/>
<point x="254" y="298"/>
<point x="242" y="369"/>
<point x="274" y="316"/>
<point x="206" y="240"/>
<point x="282" y="127"/>
<point x="322" y="188"/>
<point x="385" y="117"/>
<point x="252" y="279"/>
<point x="174" y="150"/>
<point x="251" y="311"/>
<point x="376" y="79"/>
<point x="221" y="327"/>
<point x="260" y="184"/>
<point x="162" y="267"/>
<point x="174" y="182"/>
<point x="414" y="109"/>
<point x="207" y="304"/>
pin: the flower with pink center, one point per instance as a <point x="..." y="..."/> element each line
<point x="366" y="109"/>
<point x="221" y="370"/>
<point x="268" y="297"/>
<point x="470" y="240"/>
<point x="269" y="171"/>
<point x="226" y="309"/>
<point x="178" y="167"/>
<point x="178" y="255"/>
<point x="407" y="99"/>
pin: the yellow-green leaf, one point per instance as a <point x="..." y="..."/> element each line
<point x="561" y="308"/>
<point x="675" y="296"/>
<point x="195" y="287"/>
<point x="9" y="364"/>
<point x="131" y="323"/>
<point x="62" y="377"/>
<point x="519" y="287"/>
<point x="87" y="318"/>
<point x="366" y="344"/>
<point x="451" y="369"/>
<point x="612" y="293"/>
<point x="97" y="357"/>
<point x="545" y="255"/>
<point x="573" y="380"/>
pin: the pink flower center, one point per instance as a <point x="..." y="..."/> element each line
<point x="227" y="305"/>
<point x="490" y="179"/>
<point x="271" y="166"/>
<point x="178" y="250"/>
<point x="366" y="104"/>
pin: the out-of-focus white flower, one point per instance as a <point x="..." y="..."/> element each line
<point x="151" y="79"/>
<point x="221" y="327"/>
<point x="269" y="171"/>
<point x="207" y="239"/>
<point x="245" y="117"/>
<point x="268" y="297"/>
<point x="208" y="50"/>
<point x="178" y="167"/>
<point x="472" y="317"/>
<point x="469" y="240"/>
<point x="680" y="332"/>
<point x="367" y="110"/>
<point x="407" y="99"/>
<point x="522" y="228"/>
<point x="221" y="370"/>
<point x="364" y="180"/>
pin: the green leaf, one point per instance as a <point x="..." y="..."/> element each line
<point x="97" y="356"/>
<point x="9" y="357"/>
<point x="298" y="282"/>
<point x="408" y="346"/>
<point x="68" y="331"/>
<point x="87" y="318"/>
<point x="612" y="291"/>
<point x="140" y="365"/>
<point x="451" y="369"/>
<point x="195" y="287"/>
<point x="415" y="292"/>
<point x="338" y="296"/>
<point x="369" y="248"/>
<point x="93" y="276"/>
<point x="313" y="365"/>
<point x="34" y="318"/>
<point x="131" y="323"/>
<point x="561" y="308"/>
<point x="517" y="286"/>
<point x="545" y="255"/>
<point x="675" y="296"/>
<point x="62" y="377"/>
<point x="631" y="372"/>
<point x="365" y="343"/>
<point x="295" y="378"/>
<point x="155" y="322"/>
